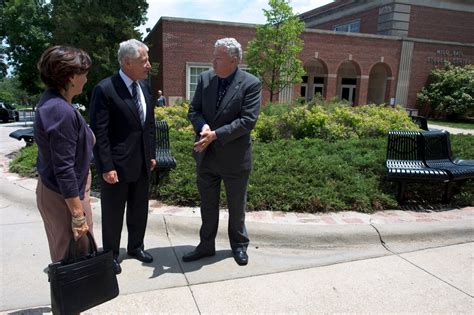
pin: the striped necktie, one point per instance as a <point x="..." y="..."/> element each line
<point x="136" y="100"/>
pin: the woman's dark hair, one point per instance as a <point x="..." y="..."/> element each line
<point x="59" y="63"/>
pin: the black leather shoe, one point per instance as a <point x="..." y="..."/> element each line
<point x="241" y="257"/>
<point x="141" y="255"/>
<point x="116" y="266"/>
<point x="195" y="255"/>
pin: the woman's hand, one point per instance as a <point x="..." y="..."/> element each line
<point x="78" y="230"/>
<point x="78" y="222"/>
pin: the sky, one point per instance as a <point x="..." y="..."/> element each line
<point x="245" y="11"/>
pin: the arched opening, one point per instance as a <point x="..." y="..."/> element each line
<point x="347" y="81"/>
<point x="379" y="84"/>
<point x="315" y="80"/>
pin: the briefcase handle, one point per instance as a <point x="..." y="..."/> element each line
<point x="73" y="244"/>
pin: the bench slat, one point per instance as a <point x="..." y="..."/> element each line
<point x="164" y="158"/>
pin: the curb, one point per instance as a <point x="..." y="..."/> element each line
<point x="341" y="230"/>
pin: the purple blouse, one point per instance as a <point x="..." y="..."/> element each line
<point x="65" y="144"/>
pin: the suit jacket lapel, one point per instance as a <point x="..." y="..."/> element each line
<point x="124" y="94"/>
<point x="211" y="97"/>
<point x="232" y="89"/>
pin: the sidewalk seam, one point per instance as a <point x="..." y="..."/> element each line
<point x="188" y="285"/>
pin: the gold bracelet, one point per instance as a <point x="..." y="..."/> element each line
<point x="79" y="220"/>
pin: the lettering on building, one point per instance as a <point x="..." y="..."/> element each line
<point x="443" y="56"/>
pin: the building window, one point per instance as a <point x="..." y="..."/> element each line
<point x="352" y="27"/>
<point x="193" y="70"/>
<point x="304" y="87"/>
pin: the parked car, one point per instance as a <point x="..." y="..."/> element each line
<point x="8" y="112"/>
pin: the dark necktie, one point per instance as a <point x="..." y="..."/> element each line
<point x="136" y="100"/>
<point x="223" y="86"/>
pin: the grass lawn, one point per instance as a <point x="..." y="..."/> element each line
<point x="462" y="125"/>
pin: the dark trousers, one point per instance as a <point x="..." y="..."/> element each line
<point x="114" y="197"/>
<point x="209" y="186"/>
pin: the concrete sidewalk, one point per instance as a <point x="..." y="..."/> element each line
<point x="390" y="261"/>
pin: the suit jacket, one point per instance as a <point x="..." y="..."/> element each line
<point x="64" y="145"/>
<point x="232" y="121"/>
<point x="122" y="143"/>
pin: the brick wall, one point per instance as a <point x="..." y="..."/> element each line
<point x="440" y="24"/>
<point x="175" y="42"/>
<point x="185" y="41"/>
<point x="368" y="21"/>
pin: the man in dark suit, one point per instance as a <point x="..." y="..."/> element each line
<point x="223" y="112"/>
<point x="123" y="121"/>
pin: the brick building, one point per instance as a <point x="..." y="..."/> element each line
<point x="364" y="51"/>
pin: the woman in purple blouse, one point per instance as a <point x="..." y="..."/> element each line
<point x="65" y="144"/>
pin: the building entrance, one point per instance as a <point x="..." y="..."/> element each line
<point x="348" y="92"/>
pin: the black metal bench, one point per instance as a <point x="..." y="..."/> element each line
<point x="164" y="159"/>
<point x="405" y="162"/>
<point x="26" y="134"/>
<point x="447" y="144"/>
<point x="414" y="156"/>
<point x="438" y="155"/>
<point x="421" y="121"/>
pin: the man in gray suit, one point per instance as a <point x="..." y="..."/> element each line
<point x="223" y="112"/>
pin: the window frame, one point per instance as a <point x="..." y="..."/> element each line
<point x="189" y="66"/>
<point x="207" y="65"/>
<point x="346" y="27"/>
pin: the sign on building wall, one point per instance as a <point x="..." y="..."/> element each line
<point x="443" y="56"/>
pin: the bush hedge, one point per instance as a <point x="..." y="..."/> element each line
<point x="306" y="158"/>
<point x="313" y="175"/>
<point x="334" y="123"/>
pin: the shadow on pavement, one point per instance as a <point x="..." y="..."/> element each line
<point x="165" y="258"/>
<point x="33" y="311"/>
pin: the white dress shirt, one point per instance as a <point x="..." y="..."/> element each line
<point x="128" y="82"/>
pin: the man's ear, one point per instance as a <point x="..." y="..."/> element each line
<point x="126" y="62"/>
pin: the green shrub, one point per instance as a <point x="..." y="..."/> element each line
<point x="24" y="162"/>
<point x="176" y="116"/>
<point x="265" y="129"/>
<point x="303" y="174"/>
<point x="314" y="175"/>
<point x="179" y="186"/>
<point x="337" y="123"/>
<point x="450" y="91"/>
<point x="276" y="109"/>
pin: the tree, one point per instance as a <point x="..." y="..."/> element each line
<point x="97" y="26"/>
<point x="272" y="55"/>
<point x="11" y="92"/>
<point x="3" y="62"/>
<point x="450" y="91"/>
<point x="27" y="30"/>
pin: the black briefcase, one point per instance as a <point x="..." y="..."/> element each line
<point x="79" y="283"/>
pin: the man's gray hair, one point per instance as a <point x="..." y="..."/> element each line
<point x="234" y="49"/>
<point x="130" y="49"/>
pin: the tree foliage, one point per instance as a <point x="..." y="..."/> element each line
<point x="11" y="91"/>
<point x="27" y="30"/>
<point x="97" y="26"/>
<point x="450" y="91"/>
<point x="272" y="55"/>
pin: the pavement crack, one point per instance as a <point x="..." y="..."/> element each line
<point x="432" y="274"/>
<point x="188" y="284"/>
<point x="380" y="238"/>
<point x="416" y="266"/>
